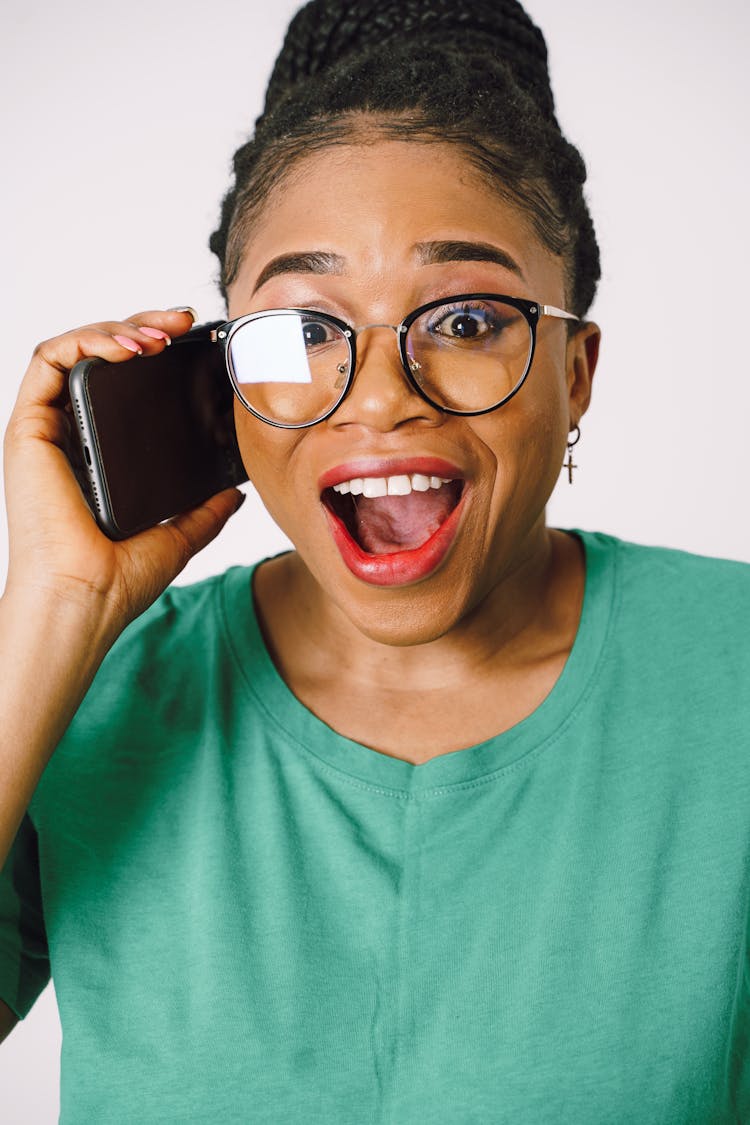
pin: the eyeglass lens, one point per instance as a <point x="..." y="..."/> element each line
<point x="291" y="368"/>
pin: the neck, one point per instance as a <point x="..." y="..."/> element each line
<point x="528" y="615"/>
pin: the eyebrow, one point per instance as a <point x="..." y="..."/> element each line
<point x="428" y="254"/>
<point x="459" y="251"/>
<point x="307" y="261"/>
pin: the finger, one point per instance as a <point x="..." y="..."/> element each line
<point x="37" y="423"/>
<point x="174" y="543"/>
<point x="115" y="341"/>
<point x="175" y="322"/>
<point x="154" y="328"/>
<point x="202" y="524"/>
<point x="95" y="340"/>
<point x="46" y="379"/>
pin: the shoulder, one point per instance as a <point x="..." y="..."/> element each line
<point x="676" y="600"/>
<point x="174" y="651"/>
<point x="184" y="612"/>
<point x="169" y="690"/>
<point x="660" y="571"/>
<point x="702" y="585"/>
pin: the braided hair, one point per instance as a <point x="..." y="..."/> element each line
<point x="468" y="72"/>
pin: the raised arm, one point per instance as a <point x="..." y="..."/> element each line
<point x="71" y="590"/>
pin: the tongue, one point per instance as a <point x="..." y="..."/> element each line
<point x="386" y="524"/>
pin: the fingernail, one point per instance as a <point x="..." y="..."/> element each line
<point x="184" y="308"/>
<point x="156" y="334"/>
<point x="241" y="501"/>
<point x="126" y="342"/>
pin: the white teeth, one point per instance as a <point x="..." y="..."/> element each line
<point x="375" y="486"/>
<point x="400" y="485"/>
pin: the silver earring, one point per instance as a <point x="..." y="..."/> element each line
<point x="569" y="463"/>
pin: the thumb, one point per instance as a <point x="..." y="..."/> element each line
<point x="170" y="546"/>
<point x="193" y="530"/>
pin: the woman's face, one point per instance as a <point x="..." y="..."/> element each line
<point x="371" y="209"/>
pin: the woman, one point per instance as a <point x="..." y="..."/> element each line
<point x="424" y="820"/>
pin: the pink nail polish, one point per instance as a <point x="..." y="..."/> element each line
<point x="156" y="334"/>
<point x="131" y="345"/>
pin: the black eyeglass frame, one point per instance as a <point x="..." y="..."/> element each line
<point x="532" y="312"/>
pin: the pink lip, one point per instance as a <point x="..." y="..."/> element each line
<point x="401" y="567"/>
<point x="389" y="467"/>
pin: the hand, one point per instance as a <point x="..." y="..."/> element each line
<point x="56" y="548"/>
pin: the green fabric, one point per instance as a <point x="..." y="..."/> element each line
<point x="252" y="919"/>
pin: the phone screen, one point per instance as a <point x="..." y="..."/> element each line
<point x="162" y="431"/>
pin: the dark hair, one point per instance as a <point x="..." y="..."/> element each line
<point x="468" y="72"/>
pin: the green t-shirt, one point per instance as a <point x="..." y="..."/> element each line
<point x="250" y="918"/>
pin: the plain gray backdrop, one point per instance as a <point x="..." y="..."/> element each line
<point x="118" y="127"/>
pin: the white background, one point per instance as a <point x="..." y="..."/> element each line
<point x="119" y="122"/>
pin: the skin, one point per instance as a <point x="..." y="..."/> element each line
<point x="473" y="648"/>
<point x="443" y="663"/>
<point x="70" y="591"/>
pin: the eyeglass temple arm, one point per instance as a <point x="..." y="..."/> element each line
<point x="551" y="310"/>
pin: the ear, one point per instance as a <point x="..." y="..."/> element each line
<point x="582" y="356"/>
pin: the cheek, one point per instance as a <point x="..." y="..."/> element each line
<point x="530" y="430"/>
<point x="545" y="409"/>
<point x="268" y="455"/>
<point x="524" y="442"/>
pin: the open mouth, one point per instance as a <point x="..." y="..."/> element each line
<point x="385" y="515"/>
<point x="395" y="529"/>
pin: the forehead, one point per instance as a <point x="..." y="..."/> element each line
<point x="374" y="203"/>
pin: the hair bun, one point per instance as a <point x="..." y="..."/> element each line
<point x="324" y="32"/>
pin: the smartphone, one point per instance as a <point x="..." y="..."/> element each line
<point x="156" y="432"/>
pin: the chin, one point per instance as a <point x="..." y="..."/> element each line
<point x="401" y="616"/>
<point x="403" y="625"/>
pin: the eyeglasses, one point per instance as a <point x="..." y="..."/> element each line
<point x="467" y="354"/>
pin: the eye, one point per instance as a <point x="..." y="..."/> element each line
<point x="317" y="332"/>
<point x="466" y="323"/>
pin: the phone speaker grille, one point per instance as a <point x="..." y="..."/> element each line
<point x="92" y="482"/>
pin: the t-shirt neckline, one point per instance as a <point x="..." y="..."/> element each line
<point x="538" y="731"/>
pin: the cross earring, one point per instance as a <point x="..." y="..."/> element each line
<point x="569" y="463"/>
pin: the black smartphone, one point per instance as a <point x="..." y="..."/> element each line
<point x="157" y="433"/>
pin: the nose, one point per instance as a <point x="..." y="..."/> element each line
<point x="381" y="397"/>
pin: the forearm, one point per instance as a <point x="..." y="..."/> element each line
<point x="71" y="590"/>
<point x="50" y="650"/>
